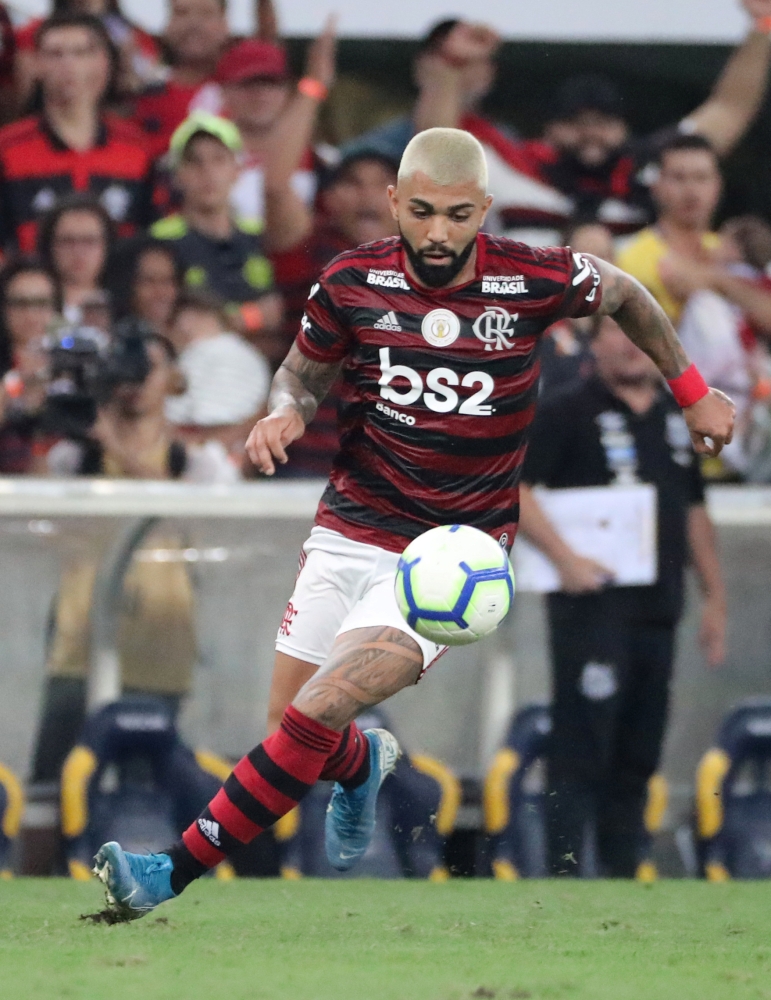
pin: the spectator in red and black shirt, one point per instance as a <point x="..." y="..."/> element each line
<point x="72" y="145"/>
<point x="196" y="34"/>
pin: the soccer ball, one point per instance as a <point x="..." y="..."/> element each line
<point x="454" y="584"/>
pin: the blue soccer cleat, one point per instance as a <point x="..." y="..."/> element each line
<point x="350" y="820"/>
<point x="134" y="883"/>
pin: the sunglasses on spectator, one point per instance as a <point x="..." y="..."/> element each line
<point x="20" y="302"/>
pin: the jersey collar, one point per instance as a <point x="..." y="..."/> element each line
<point x="58" y="143"/>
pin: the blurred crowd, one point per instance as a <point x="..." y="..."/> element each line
<point x="166" y="206"/>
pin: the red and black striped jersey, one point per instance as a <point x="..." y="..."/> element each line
<point x="439" y="385"/>
<point x="37" y="168"/>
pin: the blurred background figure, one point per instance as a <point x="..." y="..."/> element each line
<point x="278" y="163"/>
<point x="75" y="241"/>
<point x="144" y="279"/>
<point x="30" y="300"/>
<point x="227" y="380"/>
<point x="72" y="144"/>
<point x="353" y="209"/>
<point x="588" y="165"/>
<point x="140" y="58"/>
<point x="217" y="251"/>
<point x="195" y="36"/>
<point x="612" y="647"/>
<point x="566" y="354"/>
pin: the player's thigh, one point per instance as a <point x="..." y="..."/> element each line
<point x="378" y="609"/>
<point x="366" y="666"/>
<point x="289" y="675"/>
<point x="327" y="587"/>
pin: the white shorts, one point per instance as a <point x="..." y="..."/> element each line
<point x="342" y="585"/>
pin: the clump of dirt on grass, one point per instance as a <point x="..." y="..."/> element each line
<point x="108" y="917"/>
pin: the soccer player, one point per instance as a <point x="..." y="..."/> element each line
<point x="436" y="332"/>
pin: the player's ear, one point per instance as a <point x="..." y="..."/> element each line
<point x="486" y="206"/>
<point x="393" y="200"/>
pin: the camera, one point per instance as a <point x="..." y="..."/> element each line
<point x="85" y="369"/>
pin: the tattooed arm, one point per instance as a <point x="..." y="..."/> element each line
<point x="642" y="319"/>
<point x="298" y="387"/>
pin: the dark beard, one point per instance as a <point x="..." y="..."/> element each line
<point x="437" y="275"/>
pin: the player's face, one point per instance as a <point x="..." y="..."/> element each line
<point x="688" y="188"/>
<point x="596" y="137"/>
<point x="438" y="224"/>
<point x="73" y="65"/>
<point x="197" y="30"/>
<point x="207" y="173"/>
<point x="619" y="361"/>
<point x="357" y="203"/>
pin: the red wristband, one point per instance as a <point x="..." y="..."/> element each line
<point x="689" y="387"/>
<point x="314" y="89"/>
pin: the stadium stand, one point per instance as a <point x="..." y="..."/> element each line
<point x="733" y="797"/>
<point x="514" y="807"/>
<point x="130" y="777"/>
<point x="11" y="811"/>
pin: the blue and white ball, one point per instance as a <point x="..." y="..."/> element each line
<point x="454" y="585"/>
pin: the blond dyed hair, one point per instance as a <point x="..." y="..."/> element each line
<point x="446" y="156"/>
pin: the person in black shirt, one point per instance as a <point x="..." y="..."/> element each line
<point x="613" y="647"/>
<point x="216" y="251"/>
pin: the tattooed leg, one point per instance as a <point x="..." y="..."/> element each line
<point x="366" y="666"/>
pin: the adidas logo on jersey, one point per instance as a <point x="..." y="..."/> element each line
<point x="210" y="830"/>
<point x="388" y="321"/>
<point x="504" y="284"/>
<point x="387" y="279"/>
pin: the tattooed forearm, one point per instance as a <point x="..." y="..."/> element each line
<point x="642" y="319"/>
<point x="365" y="667"/>
<point x="301" y="383"/>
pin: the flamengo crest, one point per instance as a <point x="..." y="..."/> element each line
<point x="495" y="328"/>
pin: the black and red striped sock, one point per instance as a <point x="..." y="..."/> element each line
<point x="263" y="786"/>
<point x="349" y="764"/>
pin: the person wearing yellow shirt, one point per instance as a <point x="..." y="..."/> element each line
<point x="686" y="193"/>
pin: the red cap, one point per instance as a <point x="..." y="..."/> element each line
<point x="252" y="59"/>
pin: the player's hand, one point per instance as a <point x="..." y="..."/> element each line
<point x="581" y="575"/>
<point x="711" y="420"/>
<point x="270" y="437"/>
<point x="320" y="61"/>
<point x="712" y="633"/>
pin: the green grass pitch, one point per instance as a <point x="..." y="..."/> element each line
<point x="364" y="940"/>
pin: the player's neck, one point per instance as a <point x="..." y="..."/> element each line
<point x="467" y="273"/>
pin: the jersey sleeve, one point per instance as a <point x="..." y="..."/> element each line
<point x="583" y="286"/>
<point x="324" y="334"/>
